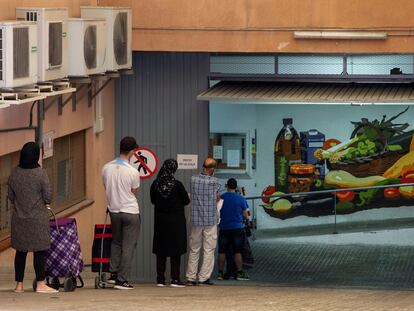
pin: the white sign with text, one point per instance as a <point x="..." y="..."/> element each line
<point x="187" y="161"/>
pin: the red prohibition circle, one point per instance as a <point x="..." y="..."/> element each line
<point x="155" y="158"/>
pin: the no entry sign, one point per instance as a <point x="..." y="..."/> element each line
<point x="145" y="161"/>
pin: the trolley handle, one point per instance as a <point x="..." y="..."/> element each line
<point x="53" y="217"/>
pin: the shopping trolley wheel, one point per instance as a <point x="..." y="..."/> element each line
<point x="34" y="284"/>
<point x="68" y="285"/>
<point x="55" y="283"/>
<point x="96" y="282"/>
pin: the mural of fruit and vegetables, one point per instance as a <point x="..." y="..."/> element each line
<point x="378" y="153"/>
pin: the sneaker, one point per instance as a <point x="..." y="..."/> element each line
<point x="220" y="276"/>
<point x="123" y="285"/>
<point x="191" y="283"/>
<point x="161" y="284"/>
<point x="112" y="278"/>
<point x="242" y="276"/>
<point x="206" y="282"/>
<point x="177" y="283"/>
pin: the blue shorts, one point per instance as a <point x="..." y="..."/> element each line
<point x="232" y="239"/>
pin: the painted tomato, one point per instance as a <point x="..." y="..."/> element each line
<point x="409" y="175"/>
<point x="330" y="143"/>
<point x="391" y="193"/>
<point x="345" y="196"/>
<point x="269" y="190"/>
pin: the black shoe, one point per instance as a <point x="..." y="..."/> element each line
<point x="191" y="283"/>
<point x="206" y="282"/>
<point x="161" y="282"/>
<point x="242" y="276"/>
<point x="123" y="285"/>
<point x="177" y="283"/>
<point x="112" y="279"/>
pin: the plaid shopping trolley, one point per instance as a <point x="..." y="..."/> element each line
<point x="64" y="258"/>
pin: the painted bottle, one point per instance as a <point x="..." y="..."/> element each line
<point x="287" y="151"/>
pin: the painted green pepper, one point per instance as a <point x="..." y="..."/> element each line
<point x="367" y="196"/>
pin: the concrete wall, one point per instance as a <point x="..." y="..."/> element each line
<point x="267" y="25"/>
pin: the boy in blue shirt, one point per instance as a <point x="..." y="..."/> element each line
<point x="232" y="235"/>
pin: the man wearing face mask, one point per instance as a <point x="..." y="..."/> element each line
<point x="122" y="182"/>
<point x="204" y="218"/>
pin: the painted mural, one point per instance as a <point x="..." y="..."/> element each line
<point x="378" y="153"/>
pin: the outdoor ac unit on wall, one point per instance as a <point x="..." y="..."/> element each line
<point x="87" y="46"/>
<point x="18" y="53"/>
<point x="51" y="34"/>
<point x="119" y="34"/>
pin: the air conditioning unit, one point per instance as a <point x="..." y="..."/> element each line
<point x="18" y="53"/>
<point x="51" y="34"/>
<point x="87" y="46"/>
<point x="119" y="34"/>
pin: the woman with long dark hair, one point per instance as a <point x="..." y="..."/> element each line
<point x="170" y="229"/>
<point x="29" y="193"/>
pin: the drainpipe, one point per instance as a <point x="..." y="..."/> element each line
<point x="39" y="127"/>
<point x="99" y="119"/>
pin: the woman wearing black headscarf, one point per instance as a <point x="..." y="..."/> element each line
<point x="29" y="192"/>
<point x="170" y="231"/>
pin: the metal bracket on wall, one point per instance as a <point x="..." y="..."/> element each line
<point x="90" y="83"/>
<point x="126" y="72"/>
<point x="60" y="104"/>
<point x="58" y="89"/>
<point x="74" y="101"/>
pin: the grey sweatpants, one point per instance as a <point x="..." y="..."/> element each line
<point x="125" y="233"/>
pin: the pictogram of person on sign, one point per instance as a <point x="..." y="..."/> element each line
<point x="140" y="166"/>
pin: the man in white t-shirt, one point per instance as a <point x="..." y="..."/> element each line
<point x="122" y="182"/>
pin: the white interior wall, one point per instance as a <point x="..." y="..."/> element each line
<point x="332" y="120"/>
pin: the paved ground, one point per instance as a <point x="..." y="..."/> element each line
<point x="321" y="265"/>
<point x="217" y="298"/>
<point x="291" y="273"/>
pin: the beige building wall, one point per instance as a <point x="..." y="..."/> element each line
<point x="99" y="147"/>
<point x="267" y="25"/>
<point x="99" y="150"/>
<point x="8" y="7"/>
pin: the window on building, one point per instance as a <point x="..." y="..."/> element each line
<point x="229" y="149"/>
<point x="7" y="163"/>
<point x="67" y="171"/>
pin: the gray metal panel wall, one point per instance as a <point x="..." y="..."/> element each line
<point x="158" y="106"/>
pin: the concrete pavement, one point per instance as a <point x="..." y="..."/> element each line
<point x="218" y="297"/>
<point x="289" y="274"/>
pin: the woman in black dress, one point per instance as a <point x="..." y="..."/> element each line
<point x="170" y="229"/>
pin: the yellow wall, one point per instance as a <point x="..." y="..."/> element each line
<point x="8" y="7"/>
<point x="266" y="25"/>
<point x="99" y="148"/>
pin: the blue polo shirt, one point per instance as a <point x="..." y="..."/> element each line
<point x="231" y="214"/>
